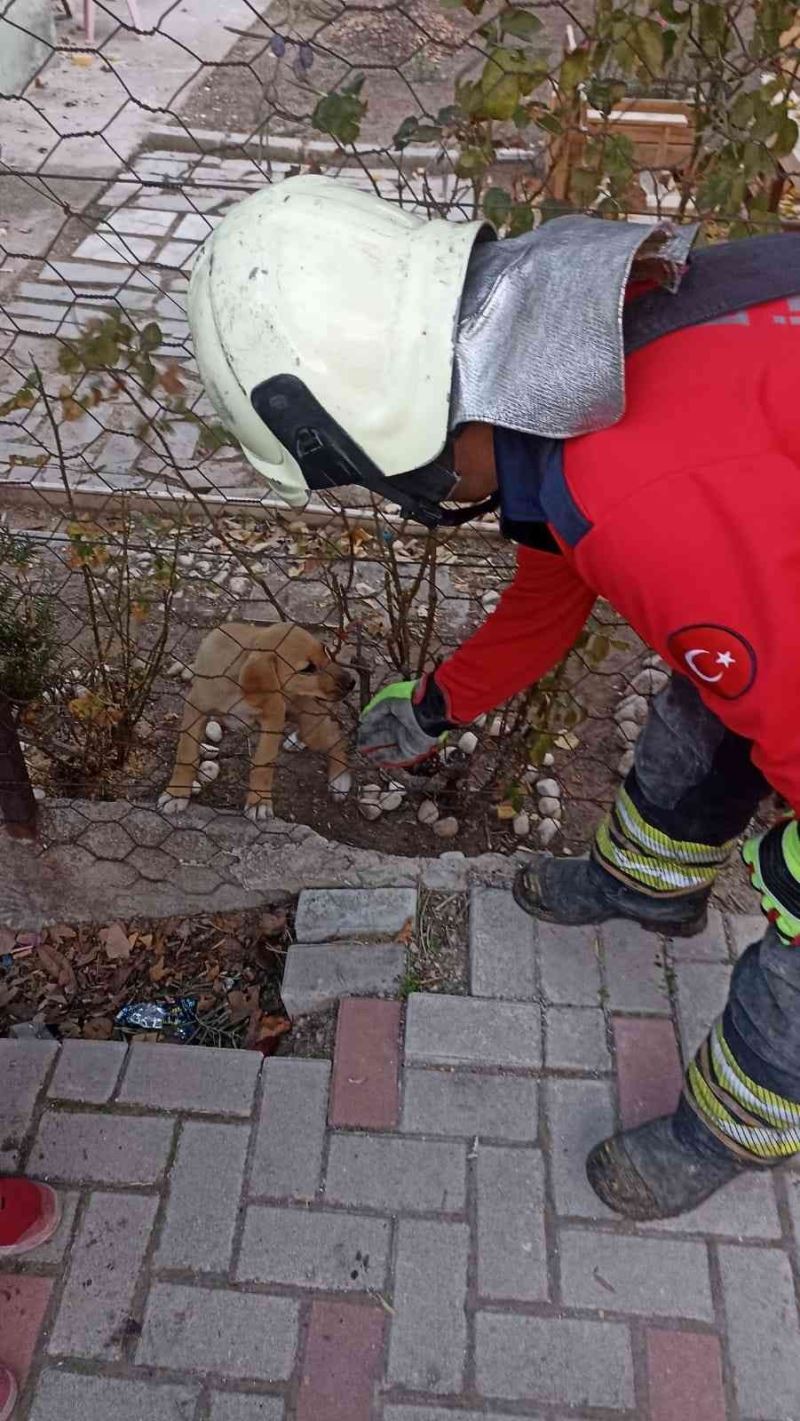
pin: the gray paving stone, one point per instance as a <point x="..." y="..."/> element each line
<point x="634" y="961"/>
<point x="651" y="1276"/>
<point x="470" y="1103"/>
<point x="233" y="1406"/>
<point x="708" y="946"/>
<point x="101" y="1149"/>
<point x="328" y="914"/>
<point x="67" y="1396"/>
<point x="142" y="222"/>
<point x="396" y="1175"/>
<point x="581" y="1113"/>
<point x="428" y="1344"/>
<point x="512" y="1251"/>
<point x="702" y="994"/>
<point x="53" y="1251"/>
<point x="562" y="1361"/>
<point x="23" y="1068"/>
<point x="338" y="1252"/>
<point x="427" y="1413"/>
<point x="764" y="1338"/>
<point x="501" y="946"/>
<point x="291" y="1132"/>
<point x="191" y="1078"/>
<point x="575" y="1039"/>
<point x="744" y="929"/>
<point x="746" y="1208"/>
<point x="318" y="975"/>
<point x="216" y="1330"/>
<point x="205" y="1189"/>
<point x="569" y="965"/>
<point x="103" y="1272"/>
<point x="467" y="1031"/>
<point x="195" y="227"/>
<point x="88" y="1071"/>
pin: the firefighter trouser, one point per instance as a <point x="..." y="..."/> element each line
<point x="691" y="793"/>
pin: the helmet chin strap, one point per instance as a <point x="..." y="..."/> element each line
<point x="457" y="517"/>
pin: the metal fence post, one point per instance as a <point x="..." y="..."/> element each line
<point x="17" y="801"/>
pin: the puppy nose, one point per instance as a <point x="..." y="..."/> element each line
<point x="347" y="679"/>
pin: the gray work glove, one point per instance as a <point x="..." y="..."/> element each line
<point x="403" y="724"/>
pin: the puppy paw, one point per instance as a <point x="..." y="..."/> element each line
<point x="341" y="785"/>
<point x="170" y="803"/>
<point x="259" y="812"/>
<point x="293" y="743"/>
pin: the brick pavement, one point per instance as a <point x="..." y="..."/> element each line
<point x="406" y="1235"/>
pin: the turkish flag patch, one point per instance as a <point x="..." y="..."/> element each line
<point x="715" y="657"/>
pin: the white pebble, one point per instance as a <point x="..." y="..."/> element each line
<point x="340" y="786"/>
<point x="654" y="660"/>
<point x="548" y="760"/>
<point x="187" y="673"/>
<point x="496" y="727"/>
<point x="427" y="812"/>
<point x="629" y="731"/>
<point x="185" y="559"/>
<point x="239" y="586"/>
<point x="549" y="789"/>
<point x="446" y="828"/>
<point x="369" y="809"/>
<point x="174" y="669"/>
<point x="38" y="793"/>
<point x="363" y="589"/>
<point x="214" y="732"/>
<point x="547" y="831"/>
<point x="626" y="763"/>
<point x="372" y="792"/>
<point x="650" y="680"/>
<point x="632" y="708"/>
<point x="522" y="825"/>
<point x="209" y="752"/>
<point x="549" y="808"/>
<point x="196" y="787"/>
<point x="209" y="769"/>
<point x="293" y="742"/>
<point x="490" y="599"/>
<point x="391" y="801"/>
<point x="468" y="742"/>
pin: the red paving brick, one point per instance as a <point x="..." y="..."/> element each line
<point x="684" y="1373"/>
<point x="366" y="1064"/>
<point x="649" y="1070"/>
<point x="343" y="1359"/>
<point x="23" y="1303"/>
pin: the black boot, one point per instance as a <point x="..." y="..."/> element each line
<point x="580" y="891"/>
<point x="663" y="1168"/>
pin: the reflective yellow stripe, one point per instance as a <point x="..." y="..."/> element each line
<point x="765" y="1102"/>
<point x="659" y="843"/>
<point x="760" y="1141"/>
<point x="654" y="873"/>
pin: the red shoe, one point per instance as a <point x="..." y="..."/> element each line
<point x="8" y="1393"/>
<point x="29" y="1216"/>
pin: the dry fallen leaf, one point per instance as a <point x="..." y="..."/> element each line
<point x="406" y="932"/>
<point x="506" y="810"/>
<point x="272" y="924"/>
<point x="83" y="61"/>
<point x="264" y="1033"/>
<point x="116" y="942"/>
<point x="56" y="966"/>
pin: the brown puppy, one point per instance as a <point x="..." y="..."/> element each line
<point x="264" y="675"/>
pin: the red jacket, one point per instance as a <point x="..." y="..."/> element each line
<point x="694" y="504"/>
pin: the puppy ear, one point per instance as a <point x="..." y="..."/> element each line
<point x="259" y="675"/>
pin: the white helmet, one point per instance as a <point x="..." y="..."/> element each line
<point x="324" y="323"/>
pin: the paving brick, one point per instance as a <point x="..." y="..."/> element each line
<point x="142" y="223"/>
<point x="191" y="1078"/>
<point x="428" y="1344"/>
<point x="342" y="1362"/>
<point x="23" y="1304"/>
<point x="745" y="929"/>
<point x="111" y="248"/>
<point x="88" y="1071"/>
<point x="569" y="965"/>
<point x="575" y="1039"/>
<point x="205" y="1189"/>
<point x="501" y="946"/>
<point x="396" y="1175"/>
<point x="178" y="254"/>
<point x="470" y="1103"/>
<point x="216" y="1330"/>
<point x="763" y="1332"/>
<point x="651" y="1276"/>
<point x="236" y="1406"/>
<point x="334" y="1251"/>
<point x="101" y="1149"/>
<point x="746" y="1208"/>
<point x="649" y="1071"/>
<point x="512" y="1252"/>
<point x="23" y="1068"/>
<point x="106" y="1258"/>
<point x="291" y="1131"/>
<point x="195" y="227"/>
<point x="702" y="994"/>
<point x="53" y="1251"/>
<point x="65" y="1396"/>
<point x="319" y="975"/>
<point x="581" y="1114"/>
<point x="563" y="1361"/>
<point x="684" y="1375"/>
<point x="708" y="946"/>
<point x="366" y="1065"/>
<point x="634" y="961"/>
<point x="466" y="1031"/>
<point x="427" y="1413"/>
<point x="328" y="914"/>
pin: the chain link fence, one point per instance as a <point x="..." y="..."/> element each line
<point x="131" y="526"/>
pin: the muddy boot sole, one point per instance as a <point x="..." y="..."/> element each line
<point x="603" y="913"/>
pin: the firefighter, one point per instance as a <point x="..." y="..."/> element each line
<point x="627" y="406"/>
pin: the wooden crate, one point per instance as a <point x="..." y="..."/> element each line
<point x="660" y="130"/>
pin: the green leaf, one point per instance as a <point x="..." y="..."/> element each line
<point x="340" y="115"/>
<point x="523" y="24"/>
<point x="553" y="207"/>
<point x="786" y="137"/>
<point x="521" y="219"/>
<point x="472" y="162"/>
<point x="574" y="69"/>
<point x="151" y="336"/>
<point x="496" y="205"/>
<point x="650" y="46"/>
